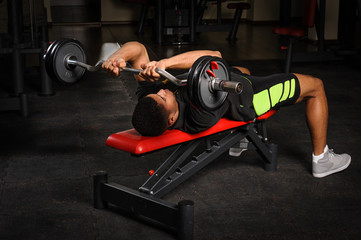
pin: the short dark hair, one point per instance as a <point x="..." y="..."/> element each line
<point x="149" y="118"/>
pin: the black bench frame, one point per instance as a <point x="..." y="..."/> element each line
<point x="176" y="169"/>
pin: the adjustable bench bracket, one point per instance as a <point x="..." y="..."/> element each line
<point x="178" y="167"/>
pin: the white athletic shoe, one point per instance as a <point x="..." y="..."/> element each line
<point x="237" y="151"/>
<point x="330" y="163"/>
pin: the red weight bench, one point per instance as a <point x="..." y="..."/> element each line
<point x="178" y="167"/>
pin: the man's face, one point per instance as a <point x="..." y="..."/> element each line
<point x="167" y="99"/>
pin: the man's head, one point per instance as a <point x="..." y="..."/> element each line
<point x="155" y="113"/>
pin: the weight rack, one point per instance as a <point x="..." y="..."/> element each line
<point x="18" y="100"/>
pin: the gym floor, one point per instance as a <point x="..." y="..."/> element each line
<point x="48" y="159"/>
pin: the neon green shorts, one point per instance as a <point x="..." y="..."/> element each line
<point x="274" y="91"/>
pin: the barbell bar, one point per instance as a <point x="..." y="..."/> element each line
<point x="98" y="65"/>
<point x="215" y="84"/>
<point x="208" y="79"/>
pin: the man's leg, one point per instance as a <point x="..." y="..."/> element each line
<point x="313" y="93"/>
<point x="325" y="161"/>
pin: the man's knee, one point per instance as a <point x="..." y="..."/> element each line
<point x="320" y="82"/>
<point x="318" y="86"/>
<point x="310" y="86"/>
<point x="246" y="71"/>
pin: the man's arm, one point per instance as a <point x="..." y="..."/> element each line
<point x="136" y="54"/>
<point x="186" y="60"/>
<point x="133" y="52"/>
<point x="180" y="61"/>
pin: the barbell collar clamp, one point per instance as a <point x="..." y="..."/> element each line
<point x="223" y="85"/>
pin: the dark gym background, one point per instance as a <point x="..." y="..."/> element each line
<point x="47" y="158"/>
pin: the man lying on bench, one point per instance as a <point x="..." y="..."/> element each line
<point x="162" y="105"/>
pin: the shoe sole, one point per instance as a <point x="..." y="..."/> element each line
<point x="235" y="152"/>
<point x="321" y="175"/>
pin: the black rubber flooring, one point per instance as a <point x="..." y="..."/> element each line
<point x="47" y="161"/>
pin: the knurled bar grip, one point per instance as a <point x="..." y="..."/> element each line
<point x="215" y="84"/>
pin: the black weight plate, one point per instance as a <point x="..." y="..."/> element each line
<point x="48" y="59"/>
<point x="192" y="79"/>
<point x="212" y="100"/>
<point x="199" y="83"/>
<point x="68" y="49"/>
<point x="49" y="56"/>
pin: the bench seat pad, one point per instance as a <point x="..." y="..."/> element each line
<point x="131" y="141"/>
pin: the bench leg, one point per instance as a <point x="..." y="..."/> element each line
<point x="185" y="220"/>
<point x="236" y="19"/>
<point x="268" y="151"/>
<point x="99" y="178"/>
<point x="272" y="165"/>
<point x="289" y="54"/>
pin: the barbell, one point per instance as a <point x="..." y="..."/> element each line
<point x="208" y="80"/>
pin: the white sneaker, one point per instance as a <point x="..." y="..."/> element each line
<point x="330" y="163"/>
<point x="237" y="151"/>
